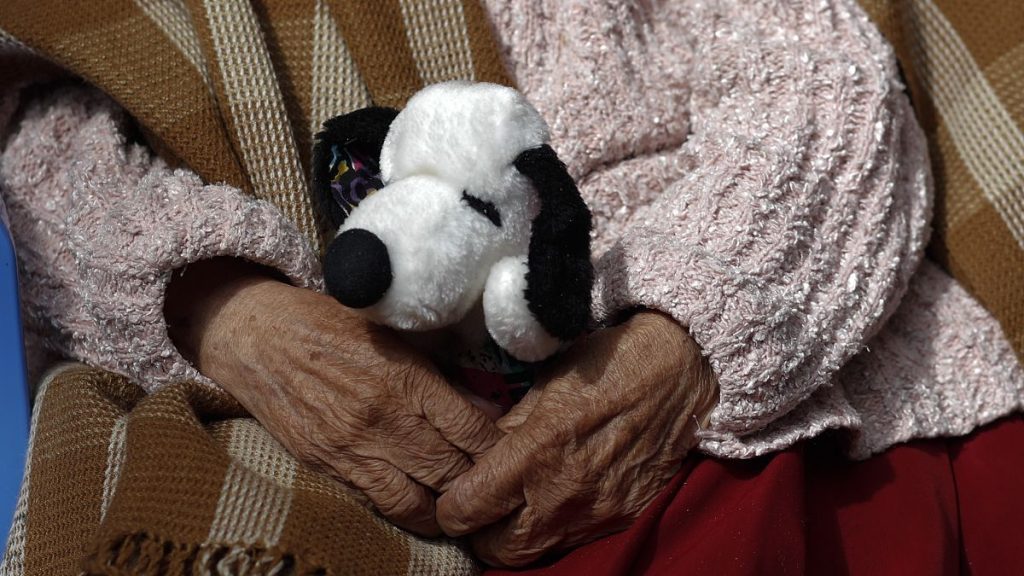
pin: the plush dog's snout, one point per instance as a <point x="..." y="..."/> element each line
<point x="358" y="269"/>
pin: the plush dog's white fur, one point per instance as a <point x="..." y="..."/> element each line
<point x="509" y="321"/>
<point x="445" y="257"/>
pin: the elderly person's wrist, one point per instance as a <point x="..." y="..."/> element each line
<point x="663" y="334"/>
<point x="201" y="296"/>
<point x="667" y="345"/>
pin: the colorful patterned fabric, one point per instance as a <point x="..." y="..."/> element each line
<point x="354" y="176"/>
<point x="495" y="375"/>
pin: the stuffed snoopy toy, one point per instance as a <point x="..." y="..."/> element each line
<point x="455" y="213"/>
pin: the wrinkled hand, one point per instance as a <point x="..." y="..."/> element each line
<point x="341" y="394"/>
<point x="589" y="447"/>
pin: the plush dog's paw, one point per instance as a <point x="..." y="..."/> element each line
<point x="508" y="316"/>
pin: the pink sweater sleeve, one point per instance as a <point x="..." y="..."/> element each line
<point x="99" y="225"/>
<point x="755" y="171"/>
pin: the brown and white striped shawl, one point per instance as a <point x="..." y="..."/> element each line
<point x="183" y="482"/>
<point x="964" y="63"/>
<point x="236" y="89"/>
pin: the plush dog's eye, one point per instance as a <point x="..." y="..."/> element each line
<point x="484" y="207"/>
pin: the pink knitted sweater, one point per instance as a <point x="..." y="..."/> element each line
<point x="754" y="170"/>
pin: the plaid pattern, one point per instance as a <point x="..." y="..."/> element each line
<point x="964" y="64"/>
<point x="183" y="481"/>
<point x="236" y="89"/>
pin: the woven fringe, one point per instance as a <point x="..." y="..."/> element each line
<point x="144" y="554"/>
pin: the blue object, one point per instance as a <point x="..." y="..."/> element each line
<point x="14" y="405"/>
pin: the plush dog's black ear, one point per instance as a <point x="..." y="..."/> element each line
<point x="559" y="276"/>
<point x="346" y="160"/>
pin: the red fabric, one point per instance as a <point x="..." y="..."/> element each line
<point x="945" y="506"/>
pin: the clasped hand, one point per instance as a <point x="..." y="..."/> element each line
<point x="581" y="456"/>
<point x="588" y="448"/>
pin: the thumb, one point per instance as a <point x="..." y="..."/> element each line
<point x="487" y="492"/>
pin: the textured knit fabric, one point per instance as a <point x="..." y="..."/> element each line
<point x="100" y="225"/>
<point x="963" y="62"/>
<point x="768" y="190"/>
<point x="235" y="89"/>
<point x="752" y="166"/>
<point x="756" y="172"/>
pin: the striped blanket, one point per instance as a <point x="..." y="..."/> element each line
<point x="183" y="481"/>
<point x="964" y="64"/>
<point x="234" y="89"/>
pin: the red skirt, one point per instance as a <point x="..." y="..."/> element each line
<point x="944" y="506"/>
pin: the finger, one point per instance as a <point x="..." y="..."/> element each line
<point x="521" y="411"/>
<point x="396" y="496"/>
<point x="529" y="533"/>
<point x="424" y="455"/>
<point x="458" y="421"/>
<point x="509" y="543"/>
<point x="487" y="492"/>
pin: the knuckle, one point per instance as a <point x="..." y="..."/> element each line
<point x="406" y="377"/>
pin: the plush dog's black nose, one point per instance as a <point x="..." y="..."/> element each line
<point x="357" y="268"/>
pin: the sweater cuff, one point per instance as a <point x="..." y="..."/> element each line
<point x="778" y="307"/>
<point x="127" y="252"/>
<point x="101" y="225"/>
